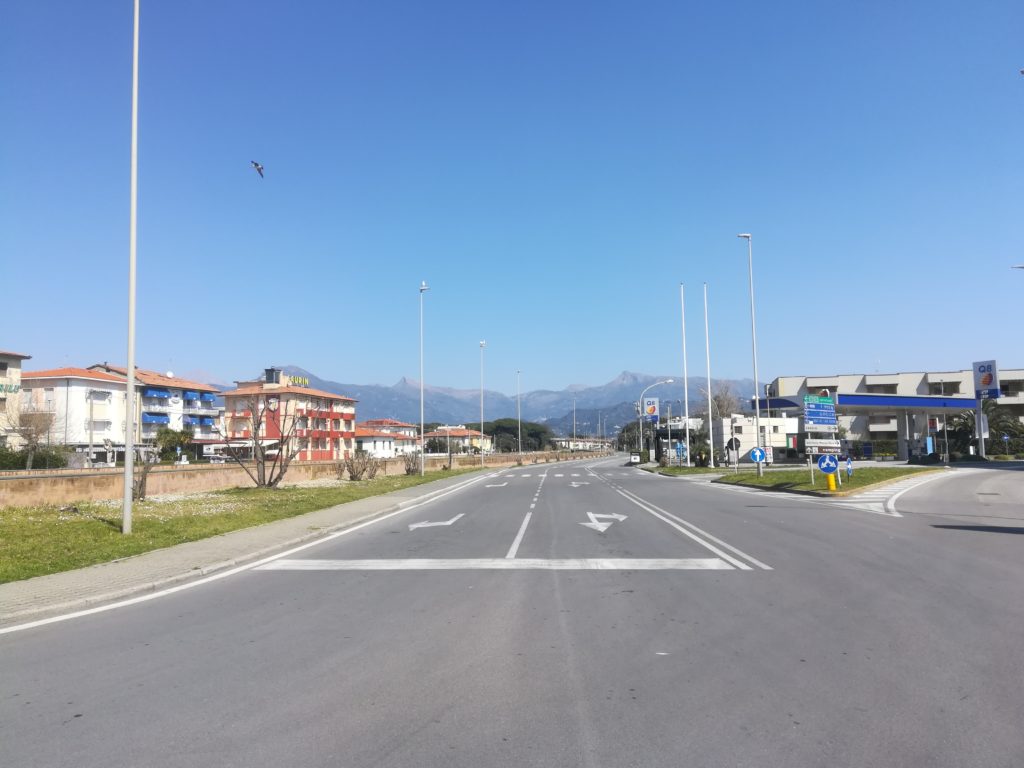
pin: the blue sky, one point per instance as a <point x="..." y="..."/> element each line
<point x="553" y="170"/>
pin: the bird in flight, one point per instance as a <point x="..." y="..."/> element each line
<point x="258" y="167"/>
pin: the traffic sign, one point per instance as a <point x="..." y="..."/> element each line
<point x="822" y="442"/>
<point x="828" y="464"/>
<point x="849" y="467"/>
<point x="816" y="399"/>
<point x="757" y="455"/>
<point x="822" y="450"/>
<point x="820" y="427"/>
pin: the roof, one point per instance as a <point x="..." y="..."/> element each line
<point x="154" y="379"/>
<point x="71" y="373"/>
<point x="453" y="433"/>
<point x="257" y="389"/>
<point x="14" y="354"/>
<point x="375" y="433"/>
<point x="385" y="423"/>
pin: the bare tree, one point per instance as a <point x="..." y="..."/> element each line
<point x="34" y="428"/>
<point x="270" y="457"/>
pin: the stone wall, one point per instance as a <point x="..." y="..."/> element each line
<point x="66" y="486"/>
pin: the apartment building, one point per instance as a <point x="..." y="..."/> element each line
<point x="165" y="400"/>
<point x="87" y="408"/>
<point x="10" y="388"/>
<point x="319" y="425"/>
<point x="458" y="439"/>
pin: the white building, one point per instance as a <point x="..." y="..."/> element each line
<point x="738" y="433"/>
<point x="386" y="438"/>
<point x="88" y="409"/>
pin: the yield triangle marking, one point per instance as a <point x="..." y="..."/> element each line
<point x="425" y="524"/>
<point x="599" y="526"/>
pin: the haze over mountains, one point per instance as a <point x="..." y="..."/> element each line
<point x="613" y="401"/>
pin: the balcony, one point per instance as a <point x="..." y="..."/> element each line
<point x="200" y="410"/>
<point x="889" y="424"/>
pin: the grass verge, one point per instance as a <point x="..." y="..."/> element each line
<point x="674" y="471"/>
<point x="35" y="541"/>
<point x="799" y="480"/>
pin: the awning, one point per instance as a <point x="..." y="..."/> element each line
<point x="208" y="397"/>
<point x="206" y="421"/>
<point x="156" y="418"/>
<point x="189" y="421"/>
<point x="155" y="392"/>
<point x="188" y="394"/>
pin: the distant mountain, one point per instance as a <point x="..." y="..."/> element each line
<point x="457" y="406"/>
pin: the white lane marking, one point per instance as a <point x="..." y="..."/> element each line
<point x="405" y="507"/>
<point x="708" y="536"/>
<point x="519" y="537"/>
<point x="559" y="474"/>
<point x="503" y="564"/>
<point x="890" y="503"/>
<point x="602" y="527"/>
<point x="497" y="485"/>
<point x="526" y="475"/>
<point x="578" y="483"/>
<point x="532" y="506"/>
<point x="425" y="524"/>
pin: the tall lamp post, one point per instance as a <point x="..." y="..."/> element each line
<point x="423" y="289"/>
<point x="640" y="418"/>
<point x="753" y="337"/>
<point x="129" y="416"/>
<point x="482" y="345"/>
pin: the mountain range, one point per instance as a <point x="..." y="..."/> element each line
<point x="611" y="402"/>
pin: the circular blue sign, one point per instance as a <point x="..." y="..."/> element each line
<point x="828" y="463"/>
<point x="757" y="455"/>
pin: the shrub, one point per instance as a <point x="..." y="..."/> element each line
<point x="412" y="463"/>
<point x="361" y="463"/>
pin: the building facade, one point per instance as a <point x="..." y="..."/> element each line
<point x="316" y="425"/>
<point x="387" y="438"/>
<point x="10" y="389"/>
<point x="458" y="439"/>
<point x="87" y="407"/>
<point x="165" y="400"/>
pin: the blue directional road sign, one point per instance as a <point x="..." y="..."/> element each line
<point x="849" y="467"/>
<point x="828" y="464"/>
<point x="757" y="455"/>
<point x="680" y="450"/>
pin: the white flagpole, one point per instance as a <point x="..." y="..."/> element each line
<point x="707" y="346"/>
<point x="686" y="380"/>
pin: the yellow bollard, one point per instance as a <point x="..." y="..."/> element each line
<point x="831" y="481"/>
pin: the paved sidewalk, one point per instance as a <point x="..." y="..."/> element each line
<point x="44" y="596"/>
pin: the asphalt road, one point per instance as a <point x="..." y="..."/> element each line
<point x="584" y="615"/>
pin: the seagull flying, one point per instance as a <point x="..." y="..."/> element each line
<point x="258" y="167"/>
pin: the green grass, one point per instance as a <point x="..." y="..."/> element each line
<point x="800" y="479"/>
<point x="35" y="541"/>
<point x="674" y="471"/>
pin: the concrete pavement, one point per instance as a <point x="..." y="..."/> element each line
<point x="43" y="596"/>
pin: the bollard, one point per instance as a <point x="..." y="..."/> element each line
<point x="831" y="481"/>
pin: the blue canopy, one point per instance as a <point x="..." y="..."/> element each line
<point x="156" y="418"/>
<point x="155" y="392"/>
<point x="206" y="421"/>
<point x="207" y="397"/>
<point x="188" y="421"/>
<point x="188" y="394"/>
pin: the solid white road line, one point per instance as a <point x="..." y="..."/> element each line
<point x="519" y="537"/>
<point x="567" y="564"/>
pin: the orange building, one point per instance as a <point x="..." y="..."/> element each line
<point x="284" y="410"/>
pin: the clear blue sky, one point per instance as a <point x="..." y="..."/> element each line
<point x="554" y="170"/>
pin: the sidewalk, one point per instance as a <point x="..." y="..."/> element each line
<point x="44" y="596"/>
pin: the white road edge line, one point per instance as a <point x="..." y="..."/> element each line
<point x="519" y="537"/>
<point x="240" y="568"/>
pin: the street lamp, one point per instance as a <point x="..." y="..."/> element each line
<point x="753" y="337"/>
<point x="482" y="345"/>
<point x="423" y="289"/>
<point x="129" y="416"/>
<point x="640" y="417"/>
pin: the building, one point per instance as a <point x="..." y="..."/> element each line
<point x="904" y="411"/>
<point x="10" y="387"/>
<point x="165" y="400"/>
<point x="458" y="439"/>
<point x="387" y="438"/>
<point x="87" y="407"/>
<point x="316" y="425"/>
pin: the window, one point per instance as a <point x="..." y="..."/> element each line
<point x="3" y="369"/>
<point x="775" y="430"/>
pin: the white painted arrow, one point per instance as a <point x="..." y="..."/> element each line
<point x="602" y="527"/>
<point x="577" y="483"/>
<point x="431" y="525"/>
<point x="498" y="485"/>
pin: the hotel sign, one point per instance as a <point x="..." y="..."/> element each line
<point x="10" y="387"/>
<point x="299" y="381"/>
